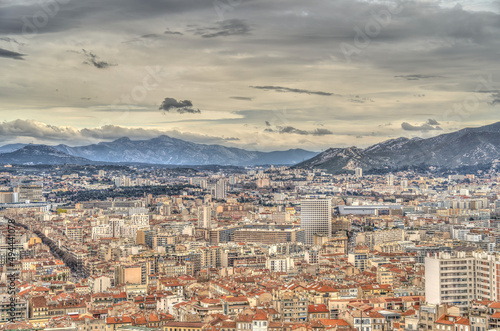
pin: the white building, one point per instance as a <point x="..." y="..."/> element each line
<point x="221" y="189"/>
<point x="280" y="263"/>
<point x="204" y="217"/>
<point x="316" y="217"/>
<point x="459" y="278"/>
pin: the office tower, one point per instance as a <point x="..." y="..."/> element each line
<point x="221" y="189"/>
<point x="316" y="217"/>
<point x="358" y="172"/>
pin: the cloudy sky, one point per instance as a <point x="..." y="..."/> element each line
<point x="256" y="74"/>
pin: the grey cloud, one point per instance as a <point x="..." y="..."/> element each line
<point x="293" y="130"/>
<point x="181" y="106"/>
<point x="424" y="127"/>
<point x="291" y="90"/>
<point x="496" y="99"/>
<point x="241" y="98"/>
<point x="10" y="40"/>
<point x="234" y="27"/>
<point x="432" y="121"/>
<point x="45" y="132"/>
<point x="150" y="35"/>
<point x="20" y="18"/>
<point x="93" y="59"/>
<point x="417" y="76"/>
<point x="11" y="55"/>
<point x="172" y="32"/>
<point x="495" y="96"/>
<point x="358" y="99"/>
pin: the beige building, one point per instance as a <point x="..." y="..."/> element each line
<point x="128" y="274"/>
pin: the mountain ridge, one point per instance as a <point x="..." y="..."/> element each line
<point x="465" y="147"/>
<point x="163" y="150"/>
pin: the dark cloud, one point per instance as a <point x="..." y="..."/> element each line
<point x="11" y="55"/>
<point x="150" y="35"/>
<point x="22" y="18"/>
<point x="424" y="127"/>
<point x="432" y="121"/>
<point x="172" y="32"/>
<point x="495" y="96"/>
<point x="181" y="106"/>
<point x="291" y="129"/>
<point x="496" y="99"/>
<point x="10" y="40"/>
<point x="234" y="27"/>
<point x="417" y="77"/>
<point x="291" y="90"/>
<point x="93" y="59"/>
<point x="358" y="99"/>
<point x="241" y="98"/>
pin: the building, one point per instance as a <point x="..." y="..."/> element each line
<point x="358" y="260"/>
<point x="358" y="172"/>
<point x="316" y="216"/>
<point x="221" y="189"/>
<point x="128" y="274"/>
<point x="29" y="193"/>
<point x="204" y="217"/>
<point x="269" y="235"/>
<point x="98" y="284"/>
<point x="279" y="263"/>
<point x="74" y="233"/>
<point x="390" y="180"/>
<point x="460" y="278"/>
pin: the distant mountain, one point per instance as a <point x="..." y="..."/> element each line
<point x="167" y="150"/>
<point x="11" y="147"/>
<point x="40" y="154"/>
<point x="467" y="147"/>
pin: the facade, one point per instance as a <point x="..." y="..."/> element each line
<point x="269" y="236"/>
<point x="316" y="218"/>
<point x="460" y="278"/>
<point x="221" y="189"/>
<point x="204" y="217"/>
<point x="358" y="260"/>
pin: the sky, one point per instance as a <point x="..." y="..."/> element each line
<point x="255" y="74"/>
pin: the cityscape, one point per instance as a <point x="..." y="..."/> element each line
<point x="250" y="165"/>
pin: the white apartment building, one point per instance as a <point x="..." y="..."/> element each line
<point x="456" y="279"/>
<point x="280" y="263"/>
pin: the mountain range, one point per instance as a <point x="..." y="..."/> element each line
<point x="466" y="147"/>
<point x="160" y="150"/>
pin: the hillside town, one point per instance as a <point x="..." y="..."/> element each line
<point x="255" y="249"/>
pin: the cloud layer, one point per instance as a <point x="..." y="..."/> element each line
<point x="361" y="71"/>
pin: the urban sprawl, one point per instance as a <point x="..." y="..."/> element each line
<point x="247" y="249"/>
